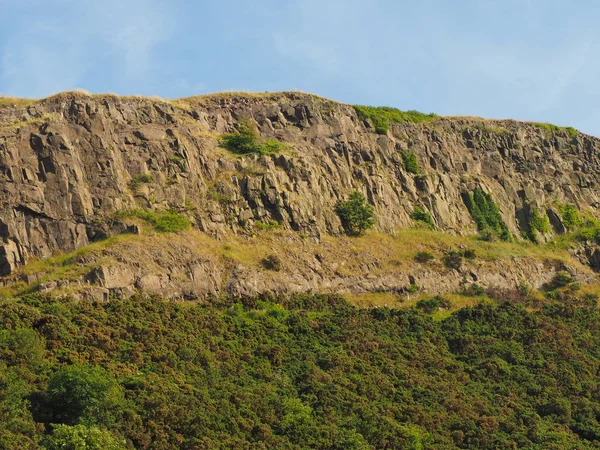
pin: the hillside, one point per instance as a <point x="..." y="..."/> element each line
<point x="77" y="169"/>
<point x="257" y="271"/>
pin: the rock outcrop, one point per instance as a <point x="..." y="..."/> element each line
<point x="69" y="164"/>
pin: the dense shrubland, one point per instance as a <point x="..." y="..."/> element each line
<point x="305" y="372"/>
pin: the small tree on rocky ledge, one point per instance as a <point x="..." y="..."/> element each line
<point x="355" y="215"/>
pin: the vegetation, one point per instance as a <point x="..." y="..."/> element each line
<point x="419" y="215"/>
<point x="453" y="259"/>
<point x="272" y="262"/>
<point x="138" y="180"/>
<point x="409" y="159"/>
<point x="570" y="216"/>
<point x="538" y="223"/>
<point x="424" y="257"/>
<point x="382" y="116"/>
<point x="269" y="225"/>
<point x="162" y="221"/>
<point x="572" y="132"/>
<point x="487" y="216"/>
<point x="355" y="215"/>
<point x="246" y="141"/>
<point x="305" y="372"/>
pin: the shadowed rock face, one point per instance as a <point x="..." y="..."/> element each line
<point x="67" y="165"/>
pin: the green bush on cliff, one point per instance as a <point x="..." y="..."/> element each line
<point x="538" y="223"/>
<point x="410" y="162"/>
<point x="486" y="215"/>
<point x="245" y="141"/>
<point x="162" y="221"/>
<point x="420" y="215"/>
<point x="570" y="216"/>
<point x="382" y="116"/>
<point x="355" y="215"/>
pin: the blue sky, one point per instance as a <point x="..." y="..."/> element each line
<point x="523" y="59"/>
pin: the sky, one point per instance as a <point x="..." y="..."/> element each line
<point x="522" y="59"/>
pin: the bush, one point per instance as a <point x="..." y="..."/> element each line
<point x="421" y="216"/>
<point x="246" y="141"/>
<point x="537" y="223"/>
<point x="78" y="437"/>
<point x="469" y="253"/>
<point x="474" y="290"/>
<point x="164" y="222"/>
<point x="272" y="262"/>
<point x="561" y="279"/>
<point x="486" y="215"/>
<point x="570" y="216"/>
<point x="453" y="260"/>
<point x="424" y="257"/>
<point x="83" y="394"/>
<point x="355" y="215"/>
<point x="382" y="116"/>
<point x="267" y="226"/>
<point x="137" y="181"/>
<point x="434" y="304"/>
<point x="409" y="159"/>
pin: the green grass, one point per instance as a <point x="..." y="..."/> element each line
<point x="411" y="164"/>
<point x="551" y="128"/>
<point x="162" y="221"/>
<point x="383" y="116"/>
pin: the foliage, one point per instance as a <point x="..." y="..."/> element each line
<point x="571" y="218"/>
<point x="355" y="215"/>
<point x="561" y="279"/>
<point x="486" y="215"/>
<point x="305" y="372"/>
<point x="453" y="259"/>
<point x="246" y="141"/>
<point x="83" y="394"/>
<point x="420" y="215"/>
<point x="272" y="262"/>
<point x="79" y="437"/>
<point x="162" y="221"/>
<point x="138" y="180"/>
<point x="538" y="223"/>
<point x="411" y="164"/>
<point x="267" y="226"/>
<point x="424" y="257"/>
<point x="572" y="132"/>
<point x="382" y="116"/>
<point x="474" y="290"/>
<point x="431" y="305"/>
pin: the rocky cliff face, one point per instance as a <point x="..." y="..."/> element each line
<point x="70" y="163"/>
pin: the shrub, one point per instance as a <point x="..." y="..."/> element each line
<point x="421" y="216"/>
<point x="355" y="215"/>
<point x="138" y="180"/>
<point x="382" y="116"/>
<point x="537" y="223"/>
<point x="164" y="222"/>
<point x="272" y="262"/>
<point x="474" y="290"/>
<point x="469" y="253"/>
<point x="523" y="288"/>
<point x="65" y="437"/>
<point x="551" y="128"/>
<point x="83" y="393"/>
<point x="424" y="257"/>
<point x="561" y="279"/>
<point x="413" y="288"/>
<point x="453" y="259"/>
<point x="486" y="215"/>
<point x="432" y="305"/>
<point x="570" y="216"/>
<point x="267" y="226"/>
<point x="409" y="159"/>
<point x="246" y="141"/>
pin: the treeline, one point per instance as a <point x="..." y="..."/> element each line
<point x="305" y="372"/>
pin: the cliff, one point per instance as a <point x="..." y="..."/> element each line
<point x="71" y="165"/>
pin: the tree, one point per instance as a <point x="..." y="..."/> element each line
<point x="355" y="215"/>
<point x="83" y="394"/>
